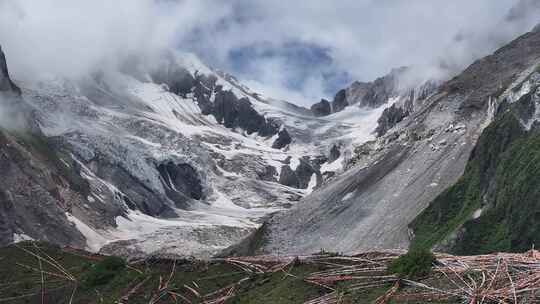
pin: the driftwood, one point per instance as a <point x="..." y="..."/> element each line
<point x="492" y="278"/>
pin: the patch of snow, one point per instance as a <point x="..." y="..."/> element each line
<point x="348" y="196"/>
<point x="94" y="240"/>
<point x="492" y="109"/>
<point x="295" y="162"/>
<point x="312" y="183"/>
<point x="21" y="237"/>
<point x="144" y="141"/>
<point x="477" y="213"/>
<point x="335" y="166"/>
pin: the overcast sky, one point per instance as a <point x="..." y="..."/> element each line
<point x="298" y="50"/>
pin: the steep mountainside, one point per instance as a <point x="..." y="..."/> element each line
<point x="494" y="205"/>
<point x="392" y="179"/>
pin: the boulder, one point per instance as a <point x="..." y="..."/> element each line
<point x="283" y="140"/>
<point x="321" y="108"/>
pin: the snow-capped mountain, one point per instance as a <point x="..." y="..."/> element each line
<point x="166" y="156"/>
<point x="169" y="158"/>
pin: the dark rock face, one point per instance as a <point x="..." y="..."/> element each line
<point x="357" y="91"/>
<point x="248" y="118"/>
<point x="382" y="88"/>
<point x="6" y="85"/>
<point x="301" y="177"/>
<point x="225" y="107"/>
<point x="413" y="100"/>
<point x="334" y="154"/>
<point x="364" y="94"/>
<point x="288" y="177"/>
<point x="134" y="193"/>
<point x="389" y="118"/>
<point x="178" y="79"/>
<point x="283" y="140"/>
<point x="36" y="189"/>
<point x="321" y="108"/>
<point x="237" y="113"/>
<point x="205" y="86"/>
<point x="181" y="179"/>
<point x="269" y="174"/>
<point x="340" y="101"/>
<point x="304" y="171"/>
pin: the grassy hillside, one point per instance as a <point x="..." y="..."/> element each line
<point x="495" y="206"/>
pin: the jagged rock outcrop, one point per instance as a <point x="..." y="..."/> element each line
<point x="178" y="79"/>
<point x="382" y="89"/>
<point x="322" y="108"/>
<point x="182" y="182"/>
<point x="239" y="113"/>
<point x="283" y="140"/>
<point x="288" y="177"/>
<point x="364" y="94"/>
<point x="305" y="172"/>
<point x="389" y="118"/>
<point x="340" y="101"/>
<point x="6" y="84"/>
<point x="302" y="176"/>
<point x="408" y="102"/>
<point x="228" y="109"/>
<point x="334" y="154"/>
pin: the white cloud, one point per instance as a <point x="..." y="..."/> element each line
<point x="365" y="38"/>
<point x="70" y="37"/>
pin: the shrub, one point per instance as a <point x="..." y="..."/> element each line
<point x="104" y="271"/>
<point x="416" y="263"/>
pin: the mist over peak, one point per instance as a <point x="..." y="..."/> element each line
<point x="300" y="51"/>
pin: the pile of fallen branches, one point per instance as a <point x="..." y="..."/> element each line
<point x="492" y="278"/>
<point x="364" y="271"/>
<point x="49" y="272"/>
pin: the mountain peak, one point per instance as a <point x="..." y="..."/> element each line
<point x="6" y="85"/>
